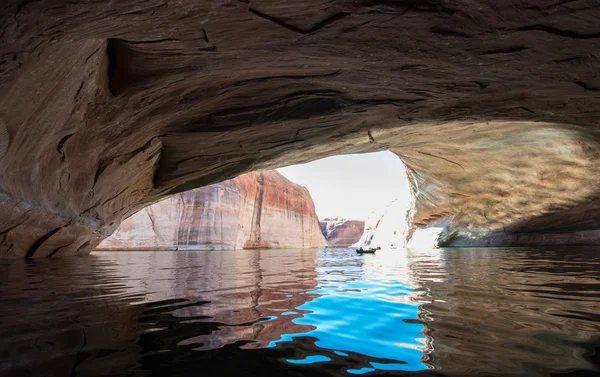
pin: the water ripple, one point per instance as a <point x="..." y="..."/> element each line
<point x="456" y="312"/>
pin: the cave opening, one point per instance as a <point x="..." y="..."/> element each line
<point x="351" y="200"/>
<point x="368" y="192"/>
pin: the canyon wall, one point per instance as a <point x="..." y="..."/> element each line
<point x="340" y="232"/>
<point x="255" y="210"/>
<point x="106" y="107"/>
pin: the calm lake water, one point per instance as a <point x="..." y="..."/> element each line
<point x="456" y="312"/>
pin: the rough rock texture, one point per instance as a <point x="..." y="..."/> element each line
<point x="531" y="181"/>
<point x="106" y="107"/>
<point x="255" y="210"/>
<point x="341" y="232"/>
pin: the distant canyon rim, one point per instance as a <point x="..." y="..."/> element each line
<point x="107" y="107"/>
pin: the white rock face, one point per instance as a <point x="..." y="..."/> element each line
<point x="255" y="210"/>
<point x="386" y="227"/>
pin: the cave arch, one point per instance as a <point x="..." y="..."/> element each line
<point x="106" y="108"/>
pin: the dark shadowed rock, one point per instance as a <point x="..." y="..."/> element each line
<point x="106" y="107"/>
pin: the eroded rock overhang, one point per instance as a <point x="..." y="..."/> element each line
<point x="108" y="107"/>
<point x="502" y="183"/>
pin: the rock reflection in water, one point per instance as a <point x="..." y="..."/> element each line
<point x="449" y="312"/>
<point x="364" y="306"/>
<point x="511" y="311"/>
<point x="344" y="302"/>
<point x="244" y="292"/>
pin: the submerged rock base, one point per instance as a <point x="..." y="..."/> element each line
<point x="586" y="237"/>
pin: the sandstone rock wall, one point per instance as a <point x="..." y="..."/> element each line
<point x="535" y="184"/>
<point x="255" y="210"/>
<point x="340" y="232"/>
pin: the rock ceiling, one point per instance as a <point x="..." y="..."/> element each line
<point x="108" y="106"/>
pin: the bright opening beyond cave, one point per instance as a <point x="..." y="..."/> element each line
<point x="371" y="188"/>
<point x="352" y="186"/>
<point x="340" y="201"/>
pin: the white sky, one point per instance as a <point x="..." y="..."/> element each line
<point x="351" y="186"/>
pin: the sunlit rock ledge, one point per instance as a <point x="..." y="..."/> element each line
<point x="106" y="107"/>
<point x="255" y="210"/>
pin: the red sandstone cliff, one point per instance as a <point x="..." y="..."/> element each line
<point x="255" y="210"/>
<point x="342" y="233"/>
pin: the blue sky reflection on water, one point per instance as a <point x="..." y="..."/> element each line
<point x="362" y="308"/>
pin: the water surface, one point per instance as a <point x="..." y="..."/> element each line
<point x="330" y="312"/>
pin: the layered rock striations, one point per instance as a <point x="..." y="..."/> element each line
<point x="106" y="107"/>
<point x="341" y="232"/>
<point x="536" y="184"/>
<point x="255" y="210"/>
